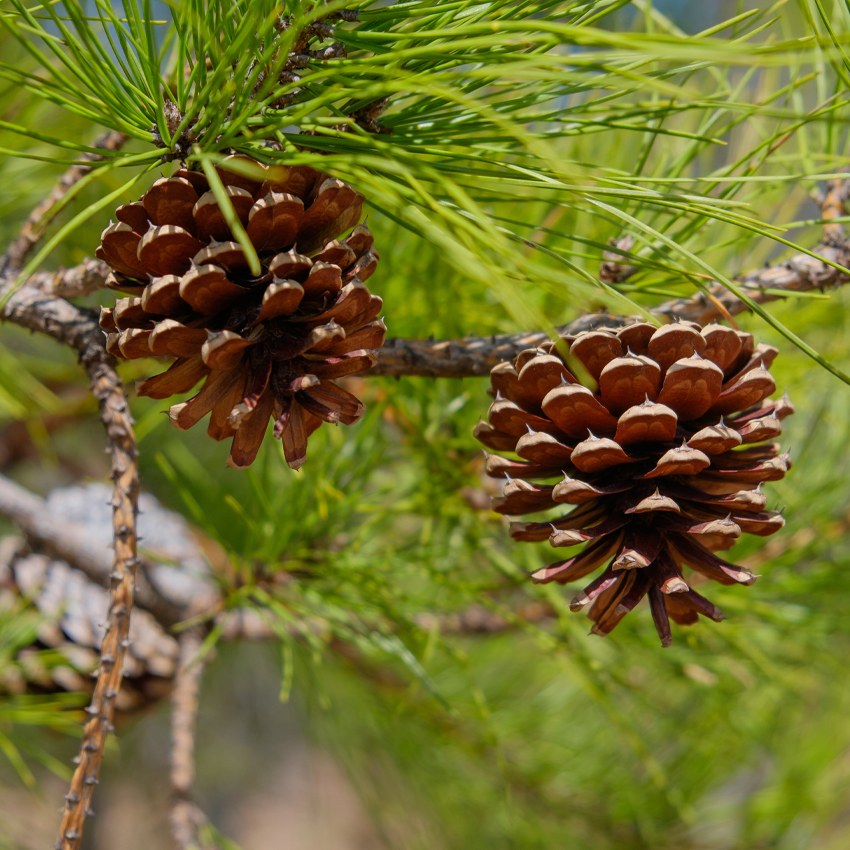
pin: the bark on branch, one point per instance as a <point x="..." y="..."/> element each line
<point x="473" y="356"/>
<point x="31" y="308"/>
<point x="34" y="306"/>
<point x="115" y="413"/>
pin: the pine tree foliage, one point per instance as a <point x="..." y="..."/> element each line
<point x="501" y="146"/>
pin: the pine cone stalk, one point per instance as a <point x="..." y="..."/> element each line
<point x="664" y="463"/>
<point x="269" y="347"/>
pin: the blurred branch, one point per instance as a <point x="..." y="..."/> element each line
<point x="479" y="620"/>
<point x="186" y="817"/>
<point x="73" y="544"/>
<point x="832" y="207"/>
<point x="44" y="213"/>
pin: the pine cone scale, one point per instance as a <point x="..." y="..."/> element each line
<point x="170" y="201"/>
<point x="179" y="378"/>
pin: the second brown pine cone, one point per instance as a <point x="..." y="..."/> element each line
<point x="664" y="462"/>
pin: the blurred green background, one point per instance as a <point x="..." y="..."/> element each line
<point x="736" y="738"/>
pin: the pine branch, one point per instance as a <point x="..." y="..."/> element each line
<point x="60" y="319"/>
<point x="38" y="220"/>
<point x="475" y="356"/>
<point x="71" y="543"/>
<point x="471" y="356"/>
<point x="33" y="308"/>
<point x="186" y="817"/>
<point x="115" y="413"/>
<point x="75" y="282"/>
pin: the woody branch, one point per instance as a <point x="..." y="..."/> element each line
<point x="186" y="817"/>
<point x="30" y="307"/>
<point x="38" y="306"/>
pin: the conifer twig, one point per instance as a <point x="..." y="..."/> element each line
<point x="185" y="817"/>
<point x="33" y="309"/>
<point x="459" y="358"/>
<point x="32" y="306"/>
<point x="115" y="413"/>
<point x="473" y="356"/>
<point x="35" y="225"/>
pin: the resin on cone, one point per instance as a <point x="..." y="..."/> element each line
<point x="267" y="346"/>
<point x="664" y="463"/>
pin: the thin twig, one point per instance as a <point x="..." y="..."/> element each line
<point x="62" y="320"/>
<point x="115" y="413"/>
<point x="34" y="227"/>
<point x="186" y="817"/>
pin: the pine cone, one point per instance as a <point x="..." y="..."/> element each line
<point x="651" y="459"/>
<point x="269" y="346"/>
<point x="73" y="611"/>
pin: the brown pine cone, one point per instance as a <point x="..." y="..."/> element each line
<point x="652" y="459"/>
<point x="268" y="346"/>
